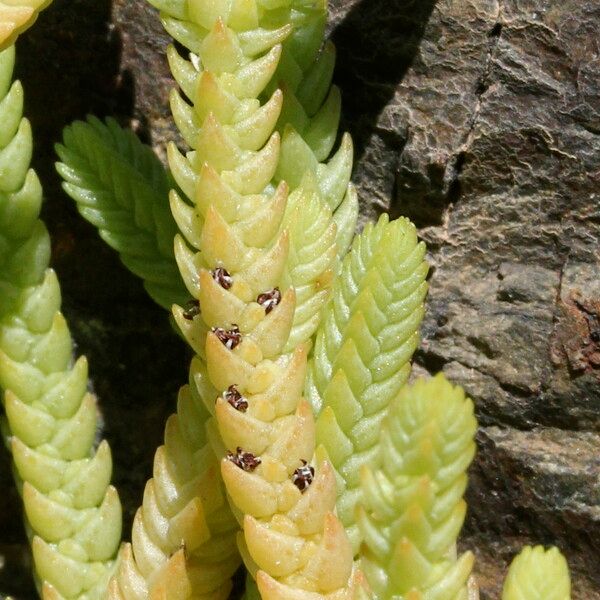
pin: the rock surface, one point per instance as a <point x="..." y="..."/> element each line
<point x="478" y="119"/>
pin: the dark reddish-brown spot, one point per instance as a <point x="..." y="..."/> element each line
<point x="192" y="310"/>
<point x="303" y="476"/>
<point x="230" y="338"/>
<point x="222" y="277"/>
<point x="244" y="460"/>
<point x="269" y="300"/>
<point x="233" y="396"/>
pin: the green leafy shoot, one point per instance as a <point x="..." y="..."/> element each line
<point x="121" y="188"/>
<point x="73" y="514"/>
<point x="364" y="345"/>
<point x="413" y="507"/>
<point x="538" y="574"/>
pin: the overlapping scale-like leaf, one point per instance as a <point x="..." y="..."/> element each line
<point x="16" y="16"/>
<point x="310" y="115"/>
<point x="297" y="159"/>
<point x="311" y="260"/>
<point x="121" y="188"/>
<point x="363" y="350"/>
<point x="73" y="512"/>
<point x="184" y="535"/>
<point x="412" y="507"/>
<point x="261" y="24"/>
<point x="233" y="254"/>
<point x="538" y="574"/>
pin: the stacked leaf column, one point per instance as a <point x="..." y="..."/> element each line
<point x="413" y="507"/>
<point x="363" y="350"/>
<point x="73" y="514"/>
<point x="538" y="574"/>
<point x="236" y="228"/>
<point x="236" y="266"/>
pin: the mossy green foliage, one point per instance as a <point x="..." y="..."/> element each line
<point x="364" y="345"/>
<point x="264" y="193"/>
<point x="121" y="187"/>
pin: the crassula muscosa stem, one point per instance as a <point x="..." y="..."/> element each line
<point x="221" y="148"/>
<point x="364" y="345"/>
<point x="413" y="495"/>
<point x="537" y="573"/>
<point x="73" y="512"/>
<point x="235" y="223"/>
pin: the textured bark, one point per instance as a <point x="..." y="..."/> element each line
<point x="478" y="119"/>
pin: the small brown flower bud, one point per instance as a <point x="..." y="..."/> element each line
<point x="303" y="476"/>
<point x="269" y="300"/>
<point x="192" y="310"/>
<point x="244" y="460"/>
<point x="222" y="277"/>
<point x="230" y="338"/>
<point x="233" y="396"/>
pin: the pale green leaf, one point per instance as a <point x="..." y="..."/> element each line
<point x="121" y="188"/>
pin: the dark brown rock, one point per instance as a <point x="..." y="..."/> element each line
<point x="480" y="120"/>
<point x="490" y="122"/>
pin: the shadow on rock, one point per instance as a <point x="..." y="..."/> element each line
<point x="379" y="40"/>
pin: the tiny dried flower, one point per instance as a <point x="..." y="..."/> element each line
<point x="222" y="277"/>
<point x="244" y="460"/>
<point x="269" y="300"/>
<point x="303" y="476"/>
<point x="235" y="398"/>
<point x="230" y="338"/>
<point x="192" y="310"/>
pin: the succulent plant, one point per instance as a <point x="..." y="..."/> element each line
<point x="73" y="513"/>
<point x="299" y="446"/>
<point x="536" y="574"/>
<point x="16" y="16"/>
